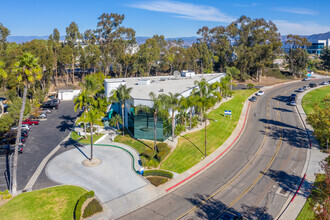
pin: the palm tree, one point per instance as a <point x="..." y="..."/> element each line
<point x="191" y="102"/>
<point x="157" y="109"/>
<point x="94" y="116"/>
<point x="116" y="120"/>
<point x="230" y="72"/>
<point x="28" y="70"/>
<point x="121" y="95"/>
<point x="172" y="103"/>
<point x="81" y="102"/>
<point x="209" y="98"/>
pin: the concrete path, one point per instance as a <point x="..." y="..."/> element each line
<point x="113" y="178"/>
<point x="312" y="167"/>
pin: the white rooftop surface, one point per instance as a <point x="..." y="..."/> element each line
<point x="157" y="83"/>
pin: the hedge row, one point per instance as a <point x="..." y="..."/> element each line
<point x="80" y="202"/>
<point x="162" y="173"/>
<point x="92" y="208"/>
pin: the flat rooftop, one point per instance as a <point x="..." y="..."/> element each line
<point x="162" y="84"/>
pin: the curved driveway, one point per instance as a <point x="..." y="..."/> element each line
<point x="255" y="178"/>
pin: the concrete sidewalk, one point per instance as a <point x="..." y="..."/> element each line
<point x="312" y="167"/>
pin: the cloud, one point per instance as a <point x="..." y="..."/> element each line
<point x="302" y="11"/>
<point x="185" y="10"/>
<point x="306" y="28"/>
<point x="245" y="5"/>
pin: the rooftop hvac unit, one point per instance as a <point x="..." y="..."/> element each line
<point x="144" y="82"/>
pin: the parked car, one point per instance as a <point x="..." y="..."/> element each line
<point x="25" y="127"/>
<point x="305" y="87"/>
<point x="10" y="148"/>
<point x="260" y="93"/>
<point x="324" y="83"/>
<point x="54" y="104"/>
<point x="42" y="115"/>
<point x="293" y="102"/>
<point x="253" y="99"/>
<point x="307" y="79"/>
<point x="312" y="85"/>
<point x="293" y="97"/>
<point x="30" y="122"/>
<point x="301" y="90"/>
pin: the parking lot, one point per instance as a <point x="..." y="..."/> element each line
<point x="43" y="138"/>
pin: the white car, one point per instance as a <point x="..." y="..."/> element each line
<point x="260" y="93"/>
<point x="324" y="83"/>
<point x="24" y="127"/>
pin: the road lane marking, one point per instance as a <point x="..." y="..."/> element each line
<point x="238" y="174"/>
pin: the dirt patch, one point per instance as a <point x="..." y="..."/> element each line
<point x="157" y="180"/>
<point x="265" y="81"/>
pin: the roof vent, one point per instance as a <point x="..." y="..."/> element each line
<point x="144" y="82"/>
<point x="161" y="90"/>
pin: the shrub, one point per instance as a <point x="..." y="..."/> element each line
<point x="163" y="151"/>
<point x="144" y="161"/>
<point x="92" y="208"/>
<point x="179" y="128"/>
<point x="162" y="173"/>
<point x="80" y="202"/>
<point x="153" y="163"/>
<point x="161" y="156"/>
<point x="149" y="154"/>
<point x="250" y="85"/>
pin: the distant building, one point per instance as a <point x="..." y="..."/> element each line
<point x="318" y="47"/>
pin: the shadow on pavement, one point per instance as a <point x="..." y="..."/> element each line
<point x="282" y="98"/>
<point x="278" y="123"/>
<point x="289" y="182"/>
<point x="75" y="144"/>
<point x="252" y="212"/>
<point x="64" y="126"/>
<point x="283" y="109"/>
<point x="293" y="137"/>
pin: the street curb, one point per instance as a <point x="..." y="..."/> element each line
<point x="286" y="211"/>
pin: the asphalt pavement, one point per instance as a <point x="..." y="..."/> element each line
<point x="43" y="138"/>
<point x="255" y="178"/>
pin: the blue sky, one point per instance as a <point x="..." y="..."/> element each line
<point x="169" y="18"/>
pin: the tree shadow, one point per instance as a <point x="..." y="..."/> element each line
<point x="193" y="144"/>
<point x="68" y="118"/>
<point x="75" y="144"/>
<point x="67" y="123"/>
<point x="283" y="109"/>
<point x="252" y="212"/>
<point x="282" y="98"/>
<point x="278" y="123"/>
<point x="210" y="209"/>
<point x="290" y="182"/>
<point x="296" y="138"/>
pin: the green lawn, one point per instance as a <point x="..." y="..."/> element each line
<point x="190" y="148"/>
<point x="51" y="203"/>
<point x="75" y="136"/>
<point x="139" y="145"/>
<point x="314" y="97"/>
<point x="307" y="211"/>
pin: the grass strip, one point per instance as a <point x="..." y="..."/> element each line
<point x="314" y="97"/>
<point x="190" y="148"/>
<point x="50" y="203"/>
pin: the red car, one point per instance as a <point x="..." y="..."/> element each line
<point x="30" y="122"/>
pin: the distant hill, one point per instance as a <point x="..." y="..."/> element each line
<point x="316" y="37"/>
<point x="188" y="41"/>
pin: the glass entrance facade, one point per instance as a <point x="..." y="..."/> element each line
<point x="141" y="126"/>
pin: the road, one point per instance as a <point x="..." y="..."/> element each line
<point x="43" y="138"/>
<point x="255" y="178"/>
